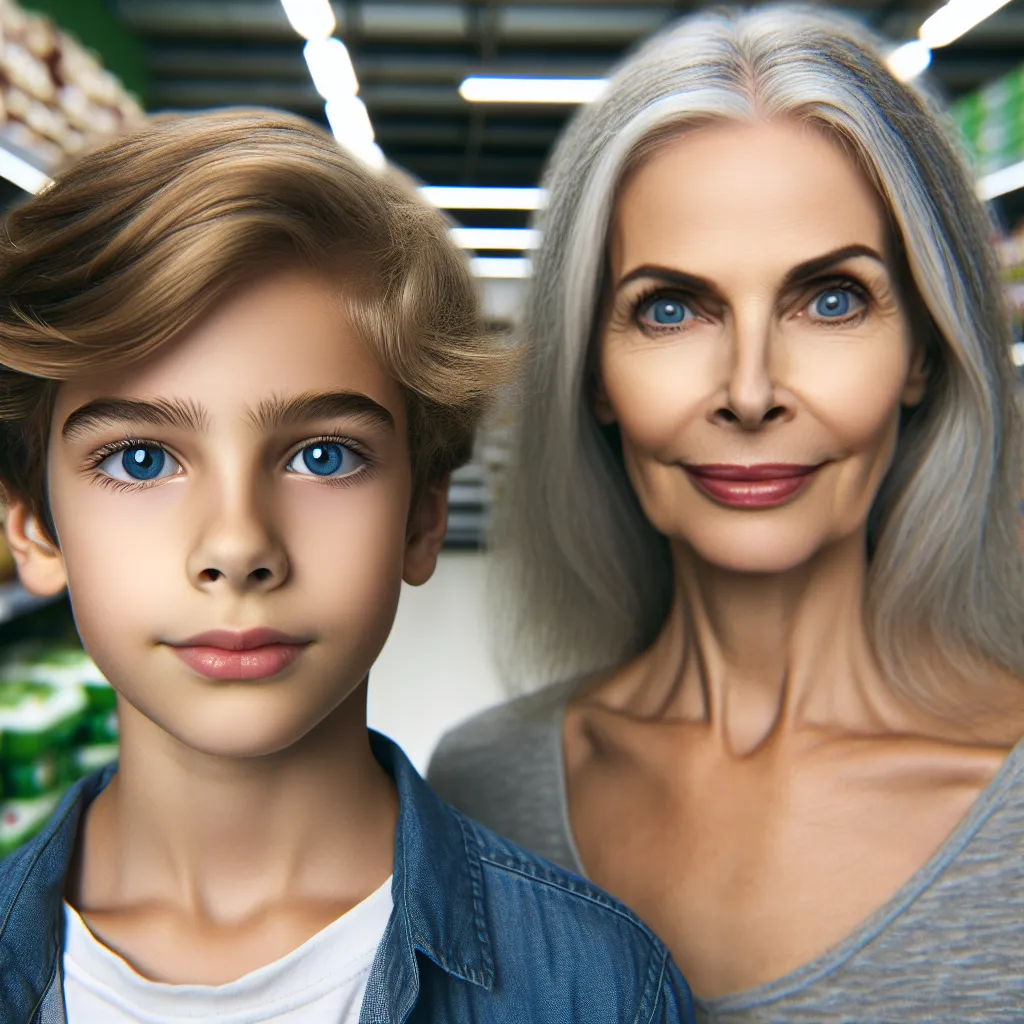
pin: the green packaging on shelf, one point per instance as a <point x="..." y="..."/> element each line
<point x="26" y="779"/>
<point x="59" y="665"/>
<point x="35" y="718"/>
<point x="91" y="758"/>
<point x="20" y="820"/>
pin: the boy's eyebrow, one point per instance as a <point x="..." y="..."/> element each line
<point x="268" y="414"/>
<point x="319" y="405"/>
<point x="158" y="412"/>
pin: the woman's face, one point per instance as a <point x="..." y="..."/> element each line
<point x="755" y="352"/>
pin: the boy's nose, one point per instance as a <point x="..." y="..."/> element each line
<point x="239" y="551"/>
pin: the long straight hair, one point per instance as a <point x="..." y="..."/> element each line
<point x="583" y="581"/>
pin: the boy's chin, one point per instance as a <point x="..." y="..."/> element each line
<point x="241" y="729"/>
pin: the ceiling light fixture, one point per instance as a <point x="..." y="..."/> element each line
<point x="909" y="60"/>
<point x="478" y="89"/>
<point x="331" y="68"/>
<point x="312" y="19"/>
<point x="458" y="197"/>
<point x="500" y="266"/>
<point x="955" y="18"/>
<point x="21" y="173"/>
<point x="945" y="26"/>
<point x="1000" y="182"/>
<point x="496" y="238"/>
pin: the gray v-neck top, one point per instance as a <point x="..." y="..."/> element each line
<point x="948" y="946"/>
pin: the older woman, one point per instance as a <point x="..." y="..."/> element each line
<point x="762" y="526"/>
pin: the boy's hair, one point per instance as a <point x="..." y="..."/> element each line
<point x="136" y="241"/>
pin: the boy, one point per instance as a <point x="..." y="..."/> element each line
<point x="237" y="371"/>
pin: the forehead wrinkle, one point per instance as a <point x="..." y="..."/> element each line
<point x="277" y="411"/>
<point x="182" y="413"/>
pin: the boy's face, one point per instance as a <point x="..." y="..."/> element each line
<point x="253" y="476"/>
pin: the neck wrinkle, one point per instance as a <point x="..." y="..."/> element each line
<point x="758" y="658"/>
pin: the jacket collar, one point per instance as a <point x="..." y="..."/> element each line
<point x="437" y="891"/>
<point x="438" y="895"/>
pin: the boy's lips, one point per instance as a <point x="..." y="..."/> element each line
<point x="240" y="654"/>
<point x="240" y="639"/>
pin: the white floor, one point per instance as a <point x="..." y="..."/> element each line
<point x="435" y="669"/>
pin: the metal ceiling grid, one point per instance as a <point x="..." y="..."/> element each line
<point x="411" y="57"/>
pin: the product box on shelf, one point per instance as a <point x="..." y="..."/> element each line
<point x="58" y="722"/>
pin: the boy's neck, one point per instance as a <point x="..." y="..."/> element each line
<point x="219" y="839"/>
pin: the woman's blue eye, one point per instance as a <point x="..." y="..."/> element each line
<point x="139" y="463"/>
<point x="325" y="458"/>
<point x="664" y="312"/>
<point x="836" y="303"/>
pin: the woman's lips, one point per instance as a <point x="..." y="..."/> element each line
<point x="248" y="654"/>
<point x="760" y="486"/>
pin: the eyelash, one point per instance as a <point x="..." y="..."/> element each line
<point x="104" y="452"/>
<point x="368" y="466"/>
<point x="824" y="285"/>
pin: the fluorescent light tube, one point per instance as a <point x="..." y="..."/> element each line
<point x="1000" y="182"/>
<point x="349" y="120"/>
<point x="458" y="197"/>
<point x="1018" y="353"/>
<point x="909" y="60"/>
<point x="21" y="172"/>
<point x="312" y="19"/>
<point x="955" y="18"/>
<point x="500" y="266"/>
<point x="531" y="90"/>
<point x="331" y="68"/>
<point x="496" y="238"/>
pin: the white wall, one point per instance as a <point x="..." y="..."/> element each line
<point x="435" y="670"/>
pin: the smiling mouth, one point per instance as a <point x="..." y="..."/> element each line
<point x="761" y="486"/>
<point x="240" y="655"/>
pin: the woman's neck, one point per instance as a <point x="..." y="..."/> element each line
<point x="758" y="656"/>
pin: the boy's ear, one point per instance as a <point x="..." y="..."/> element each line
<point x="39" y="561"/>
<point x="428" y="524"/>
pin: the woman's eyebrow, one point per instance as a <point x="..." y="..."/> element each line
<point x="691" y="282"/>
<point x="170" y="412"/>
<point x="698" y="286"/>
<point x="812" y="268"/>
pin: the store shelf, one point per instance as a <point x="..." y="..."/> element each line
<point x="15" y="600"/>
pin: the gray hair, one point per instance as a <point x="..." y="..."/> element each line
<point x="583" y="581"/>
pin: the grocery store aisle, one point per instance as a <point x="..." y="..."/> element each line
<point x="435" y="669"/>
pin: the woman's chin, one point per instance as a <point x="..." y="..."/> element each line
<point x="763" y="551"/>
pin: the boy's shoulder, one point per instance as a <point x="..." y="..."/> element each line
<point x="507" y="864"/>
<point x="567" y="946"/>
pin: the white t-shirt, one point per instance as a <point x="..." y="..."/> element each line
<point x="321" y="982"/>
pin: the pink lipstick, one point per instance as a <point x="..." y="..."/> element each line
<point x="246" y="654"/>
<point x="762" y="486"/>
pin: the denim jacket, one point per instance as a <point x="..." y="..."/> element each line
<point x="481" y="930"/>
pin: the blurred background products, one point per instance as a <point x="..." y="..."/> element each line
<point x="468" y="96"/>
<point x="57" y="723"/>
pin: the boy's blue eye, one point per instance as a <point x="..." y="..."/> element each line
<point x="139" y="463"/>
<point x="836" y="303"/>
<point x="325" y="459"/>
<point x="664" y="312"/>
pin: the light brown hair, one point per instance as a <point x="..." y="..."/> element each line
<point x="137" y="240"/>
